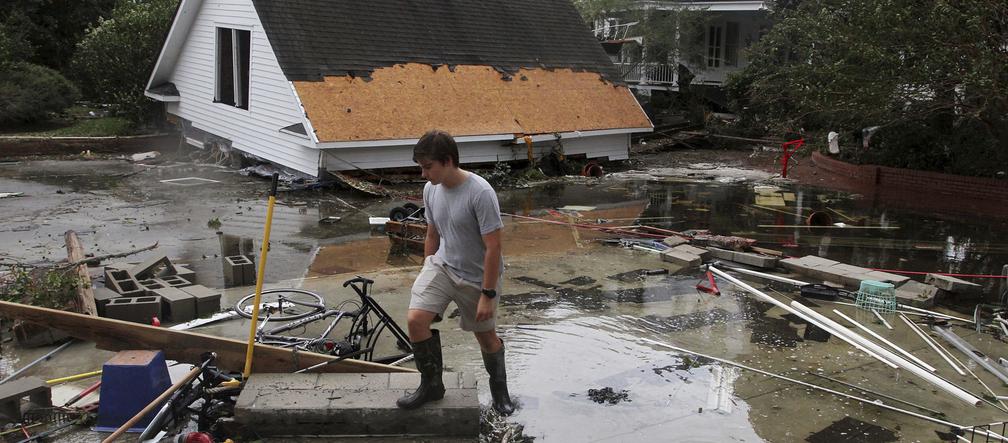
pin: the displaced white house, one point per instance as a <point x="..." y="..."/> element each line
<point x="731" y="26"/>
<point x="316" y="85"/>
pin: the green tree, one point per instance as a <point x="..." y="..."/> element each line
<point x="114" y="60"/>
<point x="51" y="28"/>
<point x="933" y="76"/>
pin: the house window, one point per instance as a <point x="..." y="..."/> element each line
<point x="232" y="82"/>
<point x="714" y="45"/>
<point x="731" y="44"/>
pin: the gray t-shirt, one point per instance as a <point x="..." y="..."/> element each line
<point x="462" y="215"/>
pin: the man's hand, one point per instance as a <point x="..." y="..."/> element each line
<point x="485" y="308"/>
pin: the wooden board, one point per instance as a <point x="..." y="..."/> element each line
<point x="183" y="346"/>
<point x="405" y="101"/>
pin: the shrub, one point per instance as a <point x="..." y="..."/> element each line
<point x="29" y="93"/>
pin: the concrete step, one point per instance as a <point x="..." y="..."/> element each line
<point x="354" y="405"/>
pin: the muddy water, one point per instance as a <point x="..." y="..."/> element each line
<point x="573" y="312"/>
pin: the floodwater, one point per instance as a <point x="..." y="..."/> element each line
<point x="574" y="313"/>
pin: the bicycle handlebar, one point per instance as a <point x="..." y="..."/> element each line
<point x="358" y="279"/>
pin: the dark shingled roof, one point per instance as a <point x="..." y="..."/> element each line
<point x="317" y="38"/>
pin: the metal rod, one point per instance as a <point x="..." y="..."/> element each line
<point x="879" y="316"/>
<point x="805" y="317"/>
<point x="853" y="386"/>
<point x="970" y="351"/>
<point x="945" y="385"/>
<point x="41" y="359"/>
<point x="74" y="377"/>
<point x="824" y="389"/>
<point x="260" y="276"/>
<point x="887" y="342"/>
<point x="931" y="344"/>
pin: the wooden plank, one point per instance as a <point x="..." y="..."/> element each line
<point x="766" y="251"/>
<point x="85" y="303"/>
<point x="117" y="335"/>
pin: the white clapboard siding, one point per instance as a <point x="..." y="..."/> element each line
<point x="272" y="104"/>
<point x="612" y="146"/>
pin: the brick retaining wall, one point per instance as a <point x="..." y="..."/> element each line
<point x="931" y="190"/>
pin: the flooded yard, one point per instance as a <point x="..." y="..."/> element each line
<point x="579" y="317"/>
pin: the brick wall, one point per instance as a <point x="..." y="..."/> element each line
<point x="919" y="190"/>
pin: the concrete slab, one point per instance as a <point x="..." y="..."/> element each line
<point x="953" y="285"/>
<point x="722" y="254"/>
<point x="916" y="294"/>
<point x="354" y="405"/>
<point x="693" y="250"/>
<point x="681" y="258"/>
<point x="757" y="260"/>
<point x="674" y="241"/>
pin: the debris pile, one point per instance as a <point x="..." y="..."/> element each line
<point x="154" y="290"/>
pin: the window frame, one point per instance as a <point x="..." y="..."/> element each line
<point x="241" y="93"/>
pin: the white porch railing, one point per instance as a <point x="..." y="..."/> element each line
<point x="648" y="73"/>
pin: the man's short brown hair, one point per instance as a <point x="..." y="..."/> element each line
<point x="436" y="145"/>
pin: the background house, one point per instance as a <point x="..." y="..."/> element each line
<point x="709" y="52"/>
<point x="319" y="85"/>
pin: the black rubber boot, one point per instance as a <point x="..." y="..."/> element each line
<point x="427" y="354"/>
<point x="494" y="364"/>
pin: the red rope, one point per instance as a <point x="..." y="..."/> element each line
<point x="894" y="271"/>
<point x="591" y="227"/>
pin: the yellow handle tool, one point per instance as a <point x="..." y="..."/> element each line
<point x="259" y="279"/>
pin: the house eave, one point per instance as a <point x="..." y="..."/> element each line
<point x="579" y="134"/>
<point x="410" y="141"/>
<point x="708" y="5"/>
<point x="162" y="97"/>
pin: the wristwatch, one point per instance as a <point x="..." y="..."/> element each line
<point x="490" y="293"/>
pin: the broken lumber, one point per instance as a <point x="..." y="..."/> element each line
<point x="183" y="346"/>
<point x="85" y="302"/>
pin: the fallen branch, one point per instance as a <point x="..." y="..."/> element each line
<point x="100" y="258"/>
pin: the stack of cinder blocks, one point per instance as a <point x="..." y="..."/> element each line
<point x="154" y="288"/>
<point x="836" y="272"/>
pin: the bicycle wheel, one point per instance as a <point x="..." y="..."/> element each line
<point x="285" y="303"/>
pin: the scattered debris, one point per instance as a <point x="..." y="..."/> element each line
<point x="144" y="156"/>
<point x="608" y="395"/>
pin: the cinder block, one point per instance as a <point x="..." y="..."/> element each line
<point x="38" y="392"/>
<point x="150" y="285"/>
<point x="235" y="268"/>
<point x="153" y="267"/>
<point x="134" y="309"/>
<point x="122" y="282"/>
<point x="102" y="295"/>
<point x="693" y="250"/>
<point x="683" y="259"/>
<point x="176" y="305"/>
<point x="207" y="300"/>
<point x="183" y="272"/>
<point x="674" y="241"/>
<point x="757" y="260"/>
<point x="174" y="281"/>
<point x="250" y="270"/>
<point x="953" y="285"/>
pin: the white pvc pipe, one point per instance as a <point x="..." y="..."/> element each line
<point x="787" y="308"/>
<point x="768" y="276"/>
<point x="887" y="342"/>
<point x="916" y="370"/>
<point x="879" y="316"/>
<point x="931" y="344"/>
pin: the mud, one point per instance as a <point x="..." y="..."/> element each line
<point x="608" y="396"/>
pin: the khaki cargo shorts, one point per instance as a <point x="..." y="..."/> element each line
<point x="436" y="286"/>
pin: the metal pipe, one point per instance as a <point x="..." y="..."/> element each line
<point x="867" y="391"/>
<point x="41" y="359"/>
<point x="969" y="350"/>
<point x="887" y="342"/>
<point x="931" y="344"/>
<point x="824" y="389"/>
<point x="791" y="310"/>
<point x="916" y="370"/>
<point x="261" y="275"/>
<point x="74" y="377"/>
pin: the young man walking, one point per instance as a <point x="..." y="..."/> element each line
<point x="462" y="263"/>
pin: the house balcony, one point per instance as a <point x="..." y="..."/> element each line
<point x="649" y="75"/>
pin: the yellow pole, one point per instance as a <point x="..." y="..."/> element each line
<point x="73" y="377"/>
<point x="259" y="279"/>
